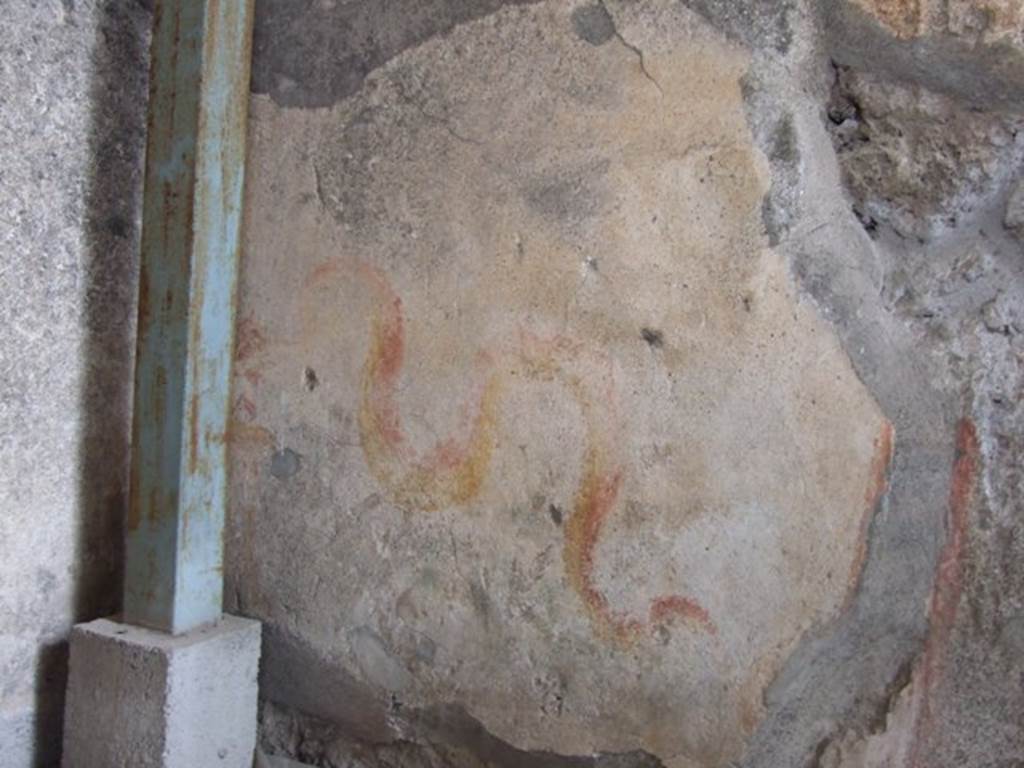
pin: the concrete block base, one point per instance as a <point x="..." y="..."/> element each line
<point x="137" y="697"/>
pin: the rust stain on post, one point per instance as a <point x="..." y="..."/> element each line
<point x="193" y="427"/>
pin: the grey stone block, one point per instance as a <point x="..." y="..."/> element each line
<point x="141" y="698"/>
<point x="277" y="761"/>
<point x="1014" y="218"/>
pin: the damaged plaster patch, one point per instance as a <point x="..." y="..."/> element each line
<point x="478" y="361"/>
<point x="593" y="23"/>
<point x="543" y="497"/>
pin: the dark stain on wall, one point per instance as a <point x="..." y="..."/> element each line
<point x="294" y="675"/>
<point x="285" y="463"/>
<point x="308" y="53"/>
<point x="593" y="24"/>
<point x="655" y="339"/>
<point x="569" y="196"/>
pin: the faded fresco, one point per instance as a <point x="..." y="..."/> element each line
<point x="528" y="416"/>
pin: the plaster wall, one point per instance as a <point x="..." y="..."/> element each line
<point x="609" y="383"/>
<point x="72" y="116"/>
<point x="540" y="382"/>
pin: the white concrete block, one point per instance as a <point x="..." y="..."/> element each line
<point x="138" y="698"/>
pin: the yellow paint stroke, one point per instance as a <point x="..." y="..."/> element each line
<point x="452" y="472"/>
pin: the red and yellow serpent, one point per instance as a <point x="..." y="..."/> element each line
<point x="451" y="472"/>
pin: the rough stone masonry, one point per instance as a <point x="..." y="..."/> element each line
<point x="619" y="383"/>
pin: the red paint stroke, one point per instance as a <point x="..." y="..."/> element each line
<point x="453" y="470"/>
<point x="249" y="344"/>
<point x="324" y="271"/>
<point x="948" y="585"/>
<point x="245" y="409"/>
<point x="878" y="484"/>
<point x="595" y="501"/>
<point x="383" y="366"/>
<point x="249" y="339"/>
<point x="664" y="609"/>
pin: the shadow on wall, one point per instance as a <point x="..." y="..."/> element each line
<point x="116" y="139"/>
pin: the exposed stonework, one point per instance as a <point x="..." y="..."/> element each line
<point x="972" y="50"/>
<point x="916" y="160"/>
<point x="979" y="21"/>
